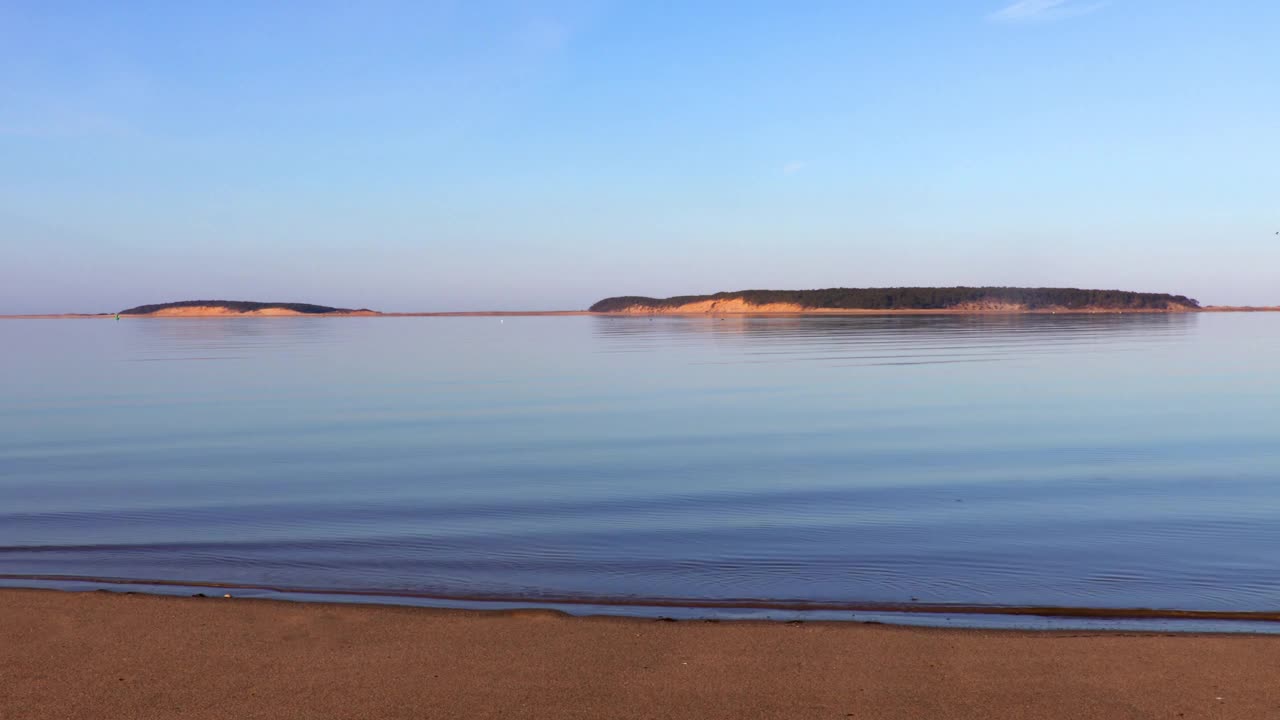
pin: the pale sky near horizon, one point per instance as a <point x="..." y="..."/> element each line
<point x="542" y="155"/>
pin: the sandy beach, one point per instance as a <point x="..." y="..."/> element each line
<point x="101" y="655"/>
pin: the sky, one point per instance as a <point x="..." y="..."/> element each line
<point x="526" y="155"/>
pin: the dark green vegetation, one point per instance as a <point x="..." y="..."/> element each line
<point x="236" y="306"/>
<point x="924" y="298"/>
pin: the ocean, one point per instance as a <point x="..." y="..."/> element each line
<point x="841" y="466"/>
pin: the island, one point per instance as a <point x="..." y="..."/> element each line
<point x="902" y="299"/>
<point x="848" y="301"/>
<point x="220" y="308"/>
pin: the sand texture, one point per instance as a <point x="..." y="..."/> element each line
<point x="99" y="655"/>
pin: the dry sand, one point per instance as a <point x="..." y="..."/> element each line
<point x="98" y="655"/>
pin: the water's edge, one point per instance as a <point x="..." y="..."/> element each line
<point x="1009" y="617"/>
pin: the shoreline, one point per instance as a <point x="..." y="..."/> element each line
<point x="101" y="654"/>
<point x="647" y="607"/>
<point x="812" y="312"/>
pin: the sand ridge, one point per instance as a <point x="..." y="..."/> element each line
<point x="213" y="311"/>
<point x="732" y="305"/>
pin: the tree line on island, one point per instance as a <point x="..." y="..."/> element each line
<point x="243" y="306"/>
<point x="921" y="298"/>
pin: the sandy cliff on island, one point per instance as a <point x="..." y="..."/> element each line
<point x="735" y="305"/>
<point x="214" y="311"/>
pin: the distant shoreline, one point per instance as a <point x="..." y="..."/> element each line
<point x="958" y="300"/>
<point x="579" y="313"/>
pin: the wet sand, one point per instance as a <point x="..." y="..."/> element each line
<point x="100" y="655"/>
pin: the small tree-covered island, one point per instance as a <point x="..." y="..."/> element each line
<point x="237" y="307"/>
<point x="917" y="299"/>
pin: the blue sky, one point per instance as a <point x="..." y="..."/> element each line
<point x="527" y="155"/>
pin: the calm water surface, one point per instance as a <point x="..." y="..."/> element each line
<point x="1082" y="460"/>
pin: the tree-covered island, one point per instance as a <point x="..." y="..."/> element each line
<point x="959" y="299"/>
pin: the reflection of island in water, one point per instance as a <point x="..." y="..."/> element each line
<point x="228" y="337"/>
<point x="903" y="299"/>
<point x="892" y="338"/>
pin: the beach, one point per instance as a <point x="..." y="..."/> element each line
<point x="106" y="655"/>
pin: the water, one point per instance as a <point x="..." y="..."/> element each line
<point x="1098" y="461"/>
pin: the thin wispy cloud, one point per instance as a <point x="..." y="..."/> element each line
<point x="1025" y="11"/>
<point x="793" y="167"/>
